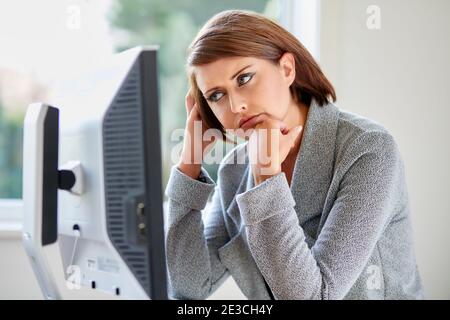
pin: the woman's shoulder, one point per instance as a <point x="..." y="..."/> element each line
<point x="357" y="124"/>
<point x="357" y="134"/>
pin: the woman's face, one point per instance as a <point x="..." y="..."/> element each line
<point x="240" y="87"/>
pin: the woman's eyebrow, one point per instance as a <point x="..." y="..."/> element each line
<point x="234" y="76"/>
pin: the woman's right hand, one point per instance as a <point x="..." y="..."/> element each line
<point x="192" y="155"/>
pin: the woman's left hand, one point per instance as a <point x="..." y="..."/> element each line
<point x="269" y="144"/>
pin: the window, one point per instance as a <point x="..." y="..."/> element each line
<point x="39" y="46"/>
<point x="172" y="25"/>
<point x="59" y="33"/>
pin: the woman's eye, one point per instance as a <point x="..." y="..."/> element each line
<point x="215" y="96"/>
<point x="244" y="78"/>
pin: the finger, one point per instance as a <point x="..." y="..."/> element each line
<point x="276" y="124"/>
<point x="189" y="101"/>
<point x="189" y="105"/>
<point x="262" y="121"/>
<point x="194" y="113"/>
<point x="271" y="123"/>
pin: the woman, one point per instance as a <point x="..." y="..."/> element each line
<point x="327" y="217"/>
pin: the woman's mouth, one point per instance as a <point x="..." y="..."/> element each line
<point x="249" y="122"/>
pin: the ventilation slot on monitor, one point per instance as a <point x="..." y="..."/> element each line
<point x="124" y="183"/>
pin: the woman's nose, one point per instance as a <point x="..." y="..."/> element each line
<point x="237" y="104"/>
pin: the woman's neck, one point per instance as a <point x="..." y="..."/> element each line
<point x="296" y="115"/>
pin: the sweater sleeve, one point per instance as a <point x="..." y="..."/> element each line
<point x="192" y="243"/>
<point x="361" y="209"/>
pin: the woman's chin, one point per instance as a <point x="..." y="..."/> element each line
<point x="241" y="134"/>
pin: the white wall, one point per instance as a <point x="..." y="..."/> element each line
<point x="398" y="76"/>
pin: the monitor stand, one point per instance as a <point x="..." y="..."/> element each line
<point x="41" y="181"/>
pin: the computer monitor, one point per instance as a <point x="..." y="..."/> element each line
<point x="101" y="198"/>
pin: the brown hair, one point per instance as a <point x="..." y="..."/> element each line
<point x="244" y="33"/>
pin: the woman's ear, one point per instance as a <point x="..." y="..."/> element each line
<point x="287" y="65"/>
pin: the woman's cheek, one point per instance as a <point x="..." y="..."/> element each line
<point x="270" y="94"/>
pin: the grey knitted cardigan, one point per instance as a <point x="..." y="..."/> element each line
<point x="341" y="230"/>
